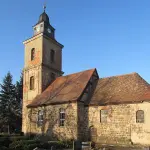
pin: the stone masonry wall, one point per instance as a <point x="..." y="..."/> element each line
<point x="117" y="128"/>
<point x="140" y="132"/>
<point x="121" y="126"/>
<point x="51" y="126"/>
<point x="82" y="122"/>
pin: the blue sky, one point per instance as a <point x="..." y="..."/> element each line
<point x="110" y="35"/>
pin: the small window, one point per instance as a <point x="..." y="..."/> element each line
<point x="103" y="116"/>
<point x="32" y="83"/>
<point x="40" y="117"/>
<point x="62" y="117"/>
<point x="33" y="54"/>
<point x="52" y="56"/>
<point x="140" y="116"/>
<point x="52" y="76"/>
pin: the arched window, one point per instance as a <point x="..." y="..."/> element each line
<point x="140" y="116"/>
<point x="32" y="83"/>
<point x="40" y="117"/>
<point x="52" y="56"/>
<point x="61" y="117"/>
<point x="33" y="54"/>
<point x="52" y="76"/>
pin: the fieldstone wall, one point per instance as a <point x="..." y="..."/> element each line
<point x="121" y="126"/>
<point x="82" y="122"/>
<point x="117" y="128"/>
<point x="51" y="125"/>
<point x="140" y="132"/>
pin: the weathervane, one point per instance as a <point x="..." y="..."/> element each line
<point x="44" y="7"/>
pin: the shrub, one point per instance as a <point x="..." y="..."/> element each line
<point x="30" y="146"/>
<point x="3" y="148"/>
<point x="22" y="144"/>
<point x="18" y="138"/>
<point x="4" y="141"/>
<point x="16" y="145"/>
<point x="61" y="144"/>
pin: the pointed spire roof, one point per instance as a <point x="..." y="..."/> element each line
<point x="44" y="17"/>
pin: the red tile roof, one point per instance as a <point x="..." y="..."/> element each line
<point x="64" y="89"/>
<point x="146" y="96"/>
<point x="127" y="88"/>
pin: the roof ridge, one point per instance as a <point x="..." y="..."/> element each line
<point x="120" y="75"/>
<point x="79" y="72"/>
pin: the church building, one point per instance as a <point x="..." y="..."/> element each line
<point x="80" y="106"/>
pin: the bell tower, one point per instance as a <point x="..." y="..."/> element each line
<point x="43" y="62"/>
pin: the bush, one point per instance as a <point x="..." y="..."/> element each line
<point x="61" y="144"/>
<point x="27" y="143"/>
<point x="18" y="138"/>
<point x="31" y="144"/>
<point x="4" y="141"/>
<point x="3" y="148"/>
<point x="22" y="144"/>
<point x="7" y="135"/>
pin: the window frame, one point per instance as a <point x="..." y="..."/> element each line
<point x="32" y="83"/>
<point x="139" y="114"/>
<point x="62" y="117"/>
<point x="32" y="54"/>
<point x="40" y="118"/>
<point x="103" y="112"/>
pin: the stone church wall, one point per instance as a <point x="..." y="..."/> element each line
<point x="140" y="132"/>
<point x="84" y="123"/>
<point x="121" y="126"/>
<point x="83" y="133"/>
<point x="51" y="126"/>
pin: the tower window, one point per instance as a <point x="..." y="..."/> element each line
<point x="140" y="116"/>
<point x="61" y="117"/>
<point x="52" y="76"/>
<point x="32" y="83"/>
<point x="52" y="56"/>
<point x="33" y="54"/>
<point x="40" y="117"/>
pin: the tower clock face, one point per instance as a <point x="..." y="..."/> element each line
<point x="49" y="30"/>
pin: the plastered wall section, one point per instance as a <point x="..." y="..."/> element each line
<point x="48" y="45"/>
<point x="31" y="68"/>
<point x="121" y="126"/>
<point x="51" y="125"/>
<point x="37" y="43"/>
<point x="50" y="67"/>
<point x="140" y="132"/>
